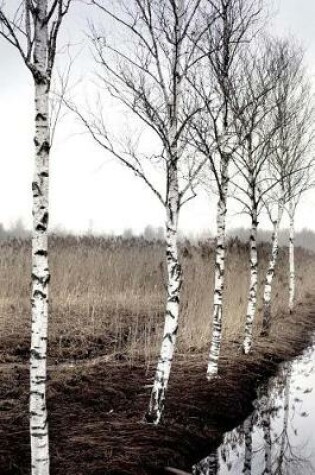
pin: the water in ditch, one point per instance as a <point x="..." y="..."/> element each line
<point x="279" y="436"/>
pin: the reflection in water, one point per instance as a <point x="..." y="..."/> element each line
<point x="208" y="466"/>
<point x="278" y="437"/>
<point x="284" y="441"/>
<point x="248" y="429"/>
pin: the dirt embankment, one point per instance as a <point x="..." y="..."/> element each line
<point x="96" y="411"/>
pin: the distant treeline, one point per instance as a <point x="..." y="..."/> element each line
<point x="17" y="230"/>
<point x="304" y="238"/>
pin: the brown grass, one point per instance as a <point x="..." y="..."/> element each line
<point x="107" y="299"/>
<point x="96" y="413"/>
<point x="107" y="296"/>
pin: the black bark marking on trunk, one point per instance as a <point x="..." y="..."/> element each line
<point x="41" y="279"/>
<point x="169" y="313"/>
<point x="40" y="227"/>
<point x="40" y="117"/>
<point x="44" y="148"/>
<point x="35" y="354"/>
<point x="38" y="435"/>
<point x="45" y="218"/>
<point x="169" y="337"/>
<point x="41" y="252"/>
<point x="36" y="189"/>
<point x="40" y="294"/>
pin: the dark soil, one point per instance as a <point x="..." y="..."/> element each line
<point x="96" y="413"/>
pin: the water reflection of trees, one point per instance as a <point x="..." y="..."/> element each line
<point x="292" y="458"/>
<point x="268" y="442"/>
<point x="208" y="466"/>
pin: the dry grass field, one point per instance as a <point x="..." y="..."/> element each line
<point x="107" y="296"/>
<point x="107" y="299"/>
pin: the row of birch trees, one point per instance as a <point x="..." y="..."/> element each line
<point x="224" y="106"/>
<point x="230" y="109"/>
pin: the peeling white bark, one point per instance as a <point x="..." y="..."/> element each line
<point x="40" y="268"/>
<point x="292" y="260"/>
<point x="174" y="272"/>
<point x="219" y="271"/>
<point x="33" y="30"/>
<point x="172" y="310"/>
<point x="271" y="271"/>
<point x="252" y="294"/>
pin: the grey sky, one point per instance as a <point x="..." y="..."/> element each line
<point x="87" y="186"/>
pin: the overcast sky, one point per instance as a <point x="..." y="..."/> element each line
<point x="88" y="189"/>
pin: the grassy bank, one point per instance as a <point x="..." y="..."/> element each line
<point x="107" y="299"/>
<point x="96" y="411"/>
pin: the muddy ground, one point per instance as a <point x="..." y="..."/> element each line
<point x="96" y="410"/>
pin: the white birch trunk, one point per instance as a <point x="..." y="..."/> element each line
<point x="248" y="429"/>
<point x="172" y="309"/>
<point x="40" y="268"/>
<point x="219" y="270"/>
<point x="174" y="273"/>
<point x="252" y="294"/>
<point x="291" y="259"/>
<point x="271" y="272"/>
<point x="220" y="250"/>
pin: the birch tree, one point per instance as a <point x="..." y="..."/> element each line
<point x="303" y="184"/>
<point x="288" y="96"/>
<point x="212" y="131"/>
<point x="32" y="28"/>
<point x="301" y="176"/>
<point x="251" y="108"/>
<point x="275" y="213"/>
<point x="291" y="161"/>
<point x="147" y="74"/>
